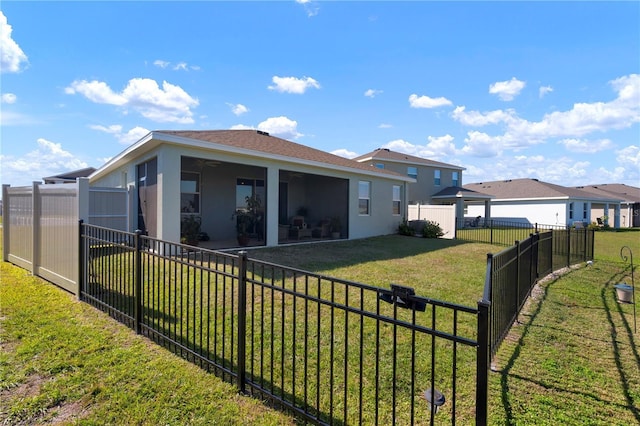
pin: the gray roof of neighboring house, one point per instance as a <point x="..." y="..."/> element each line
<point x="629" y="194"/>
<point x="388" y="155"/>
<point x="460" y="192"/>
<point x="69" y="176"/>
<point x="249" y="142"/>
<point x="532" y="189"/>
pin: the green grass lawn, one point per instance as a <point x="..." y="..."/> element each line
<point x="573" y="357"/>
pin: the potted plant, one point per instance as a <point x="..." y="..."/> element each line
<point x="336" y="227"/>
<point x="190" y="229"/>
<point x="247" y="218"/>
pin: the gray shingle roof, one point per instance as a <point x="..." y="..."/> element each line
<point x="388" y="155"/>
<point x="532" y="188"/>
<point x="263" y="142"/>
<point x="630" y="194"/>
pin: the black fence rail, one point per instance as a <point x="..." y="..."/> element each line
<point x="498" y="232"/>
<point x="328" y="350"/>
<point x="512" y="273"/>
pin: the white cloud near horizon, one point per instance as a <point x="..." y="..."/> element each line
<point x="581" y="120"/>
<point x="167" y="104"/>
<point x="345" y="153"/>
<point x="127" y="138"/>
<point x="281" y="126"/>
<point x="507" y="90"/>
<point x="12" y="58"/>
<point x="416" y="101"/>
<point x="293" y="85"/>
<point x="48" y="159"/>
<point x="238" y="109"/>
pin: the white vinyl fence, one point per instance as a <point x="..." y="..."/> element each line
<point x="41" y="225"/>
<point x="445" y="216"/>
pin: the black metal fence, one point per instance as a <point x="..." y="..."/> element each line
<point x="512" y="273"/>
<point x="328" y="350"/>
<point x="498" y="231"/>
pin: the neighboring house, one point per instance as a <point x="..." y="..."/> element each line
<point x="209" y="174"/>
<point x="532" y="201"/>
<point x="69" y="177"/>
<point x="436" y="183"/>
<point x="431" y="176"/>
<point x="630" y="206"/>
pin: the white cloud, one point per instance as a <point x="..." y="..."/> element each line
<point x="372" y="93"/>
<point x="293" y="84"/>
<point x="238" y="109"/>
<point x="311" y="8"/>
<point x="9" y="98"/>
<point x="416" y="101"/>
<point x="384" y="126"/>
<point x="564" y="171"/>
<point x="12" y="58"/>
<point x="586" y="146"/>
<point x="180" y="66"/>
<point x="241" y="127"/>
<point x="480" y="144"/>
<point x="629" y="157"/>
<point x="441" y="146"/>
<point x="167" y="104"/>
<point x="281" y="126"/>
<point x="544" y="90"/>
<point x="475" y="118"/>
<point x="132" y="136"/>
<point x="46" y="160"/>
<point x="507" y="90"/>
<point x="344" y="153"/>
<point x="582" y="119"/>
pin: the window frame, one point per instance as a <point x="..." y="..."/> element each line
<point x="366" y="197"/>
<point x="415" y="172"/>
<point x="195" y="194"/>
<point x="455" y="179"/>
<point x="437" y="177"/>
<point x="396" y="204"/>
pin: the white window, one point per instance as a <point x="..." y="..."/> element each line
<point x="570" y="210"/>
<point x="190" y="192"/>
<point x="396" y="200"/>
<point x="364" y="198"/>
<point x="455" y="180"/>
<point x="436" y="177"/>
<point x="584" y="210"/>
<point x="412" y="172"/>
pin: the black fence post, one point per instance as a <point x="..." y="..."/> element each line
<point x="482" y="363"/>
<point x="242" y="319"/>
<point x="491" y="228"/>
<point x="518" y="274"/>
<point x="81" y="260"/>
<point x="137" y="291"/>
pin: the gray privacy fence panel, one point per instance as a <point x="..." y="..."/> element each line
<point x="57" y="245"/>
<point x="18" y="226"/>
<point x="41" y="225"/>
<point x="109" y="208"/>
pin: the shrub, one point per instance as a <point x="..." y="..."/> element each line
<point x="405" y="229"/>
<point x="432" y="230"/>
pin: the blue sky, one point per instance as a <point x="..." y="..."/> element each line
<point x="507" y="90"/>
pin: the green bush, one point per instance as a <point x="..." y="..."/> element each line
<point x="432" y="230"/>
<point x="405" y="229"/>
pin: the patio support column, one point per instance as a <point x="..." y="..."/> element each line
<point x="487" y="210"/>
<point x="273" y="195"/>
<point x="616" y="216"/>
<point x="168" y="214"/>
